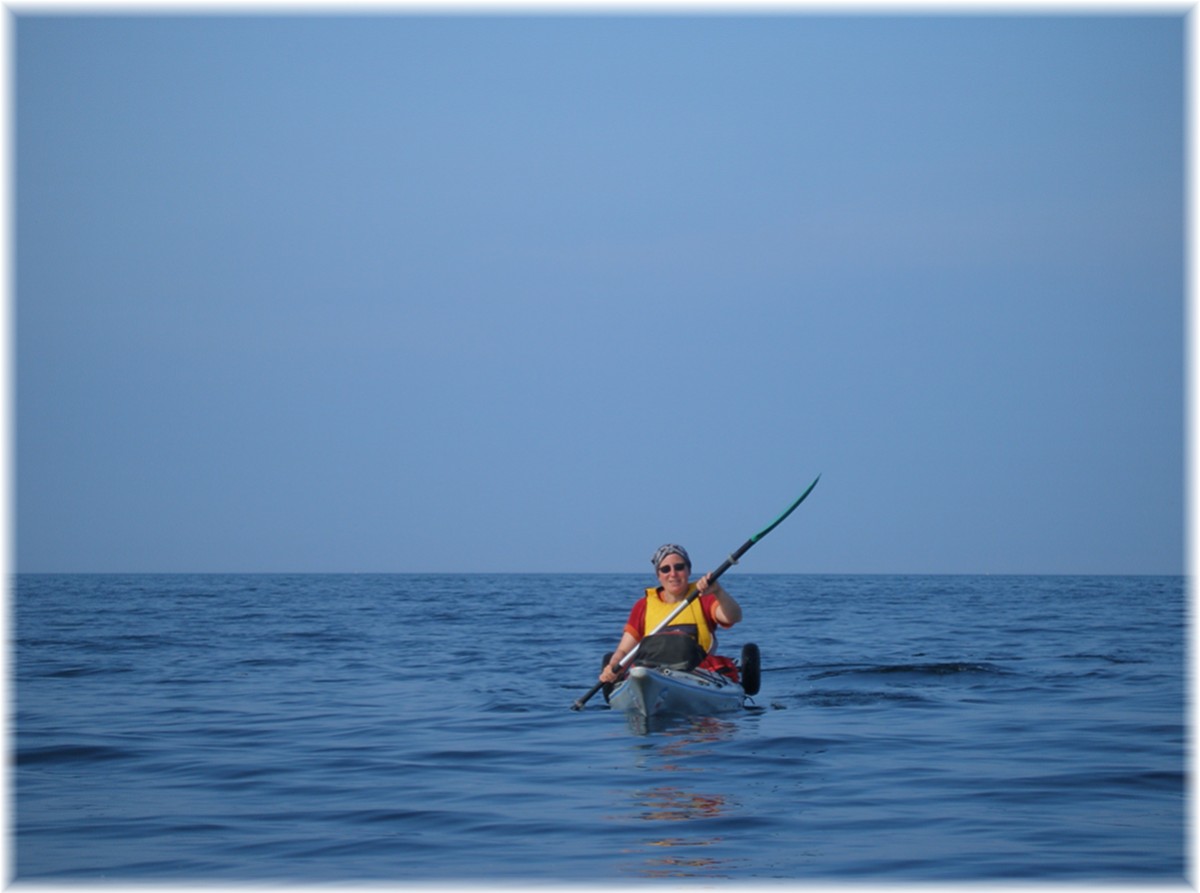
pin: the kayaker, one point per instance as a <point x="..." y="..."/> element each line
<point x="713" y="608"/>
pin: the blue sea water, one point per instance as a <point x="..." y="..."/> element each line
<point x="410" y="728"/>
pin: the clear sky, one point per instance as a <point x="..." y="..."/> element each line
<point x="539" y="293"/>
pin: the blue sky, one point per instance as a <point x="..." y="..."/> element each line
<point x="538" y="293"/>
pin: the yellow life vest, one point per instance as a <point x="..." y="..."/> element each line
<point x="692" y="616"/>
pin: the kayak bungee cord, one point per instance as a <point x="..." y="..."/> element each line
<point x="712" y="577"/>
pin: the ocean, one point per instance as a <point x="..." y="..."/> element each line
<point x="414" y="729"/>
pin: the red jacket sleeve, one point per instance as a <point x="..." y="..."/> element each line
<point x="709" y="604"/>
<point x="636" y="624"/>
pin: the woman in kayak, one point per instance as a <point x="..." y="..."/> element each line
<point x="713" y="608"/>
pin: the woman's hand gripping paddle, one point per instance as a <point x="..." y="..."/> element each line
<point x="728" y="563"/>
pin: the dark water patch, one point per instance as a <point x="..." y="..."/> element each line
<point x="1114" y="783"/>
<point x="950" y="668"/>
<point x="86" y="754"/>
<point x="1118" y="659"/>
<point x="87" y="670"/>
<point x="858" y="698"/>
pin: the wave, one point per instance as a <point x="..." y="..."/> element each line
<point x="1109" y="658"/>
<point x="857" y="698"/>
<point x="948" y="668"/>
<point x="72" y="753"/>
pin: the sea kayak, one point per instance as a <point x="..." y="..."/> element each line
<point x="657" y="691"/>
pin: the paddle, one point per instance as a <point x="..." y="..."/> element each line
<point x="728" y="563"/>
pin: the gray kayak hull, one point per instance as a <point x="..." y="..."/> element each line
<point x="657" y="691"/>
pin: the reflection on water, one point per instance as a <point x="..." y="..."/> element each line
<point x="682" y="729"/>
<point x="681" y="746"/>
<point x="683" y="864"/>
<point x="672" y="804"/>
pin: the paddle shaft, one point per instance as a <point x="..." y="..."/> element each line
<point x="712" y="578"/>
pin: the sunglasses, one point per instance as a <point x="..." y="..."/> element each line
<point x="667" y="568"/>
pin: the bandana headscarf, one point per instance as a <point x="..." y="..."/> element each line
<point x="669" y="549"/>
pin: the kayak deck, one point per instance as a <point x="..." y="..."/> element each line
<point x="656" y="691"/>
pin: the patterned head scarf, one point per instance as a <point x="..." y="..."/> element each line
<point x="669" y="549"/>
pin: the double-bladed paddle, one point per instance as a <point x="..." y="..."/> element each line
<point x="726" y="565"/>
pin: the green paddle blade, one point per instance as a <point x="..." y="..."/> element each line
<point x="791" y="508"/>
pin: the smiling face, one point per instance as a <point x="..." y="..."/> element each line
<point x="673" y="574"/>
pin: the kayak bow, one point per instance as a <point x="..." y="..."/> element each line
<point x="656" y="691"/>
